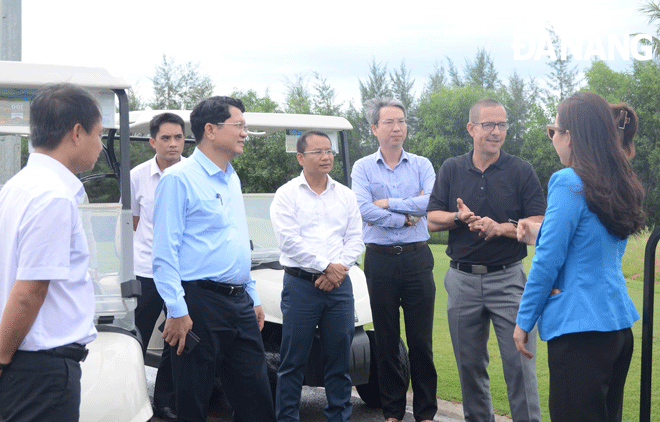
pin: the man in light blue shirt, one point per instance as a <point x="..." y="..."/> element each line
<point x="392" y="189"/>
<point x="201" y="264"/>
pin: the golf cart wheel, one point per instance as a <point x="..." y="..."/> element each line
<point x="370" y="392"/>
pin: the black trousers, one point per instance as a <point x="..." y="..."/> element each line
<point x="588" y="374"/>
<point x="230" y="346"/>
<point x="405" y="281"/>
<point x="149" y="306"/>
<point x="40" y="387"/>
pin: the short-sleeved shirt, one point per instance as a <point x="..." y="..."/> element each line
<point x="144" y="179"/>
<point x="43" y="239"/>
<point x="508" y="189"/>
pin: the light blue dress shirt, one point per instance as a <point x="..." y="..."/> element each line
<point x="576" y="254"/>
<point x="403" y="185"/>
<point x="200" y="230"/>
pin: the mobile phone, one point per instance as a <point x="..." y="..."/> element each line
<point x="192" y="339"/>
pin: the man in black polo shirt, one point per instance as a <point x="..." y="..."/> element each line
<point x="475" y="197"/>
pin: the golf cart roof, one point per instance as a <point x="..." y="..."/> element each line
<point x="258" y="123"/>
<point x="20" y="81"/>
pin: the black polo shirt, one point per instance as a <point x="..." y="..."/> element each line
<point x="509" y="188"/>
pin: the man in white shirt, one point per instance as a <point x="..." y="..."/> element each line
<point x="319" y="230"/>
<point x="46" y="292"/>
<point x="167" y="138"/>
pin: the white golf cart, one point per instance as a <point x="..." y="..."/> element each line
<point x="113" y="378"/>
<point x="266" y="269"/>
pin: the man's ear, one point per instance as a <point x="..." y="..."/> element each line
<point x="152" y="142"/>
<point x="74" y="134"/>
<point x="373" y="129"/>
<point x="300" y="157"/>
<point x="470" y="128"/>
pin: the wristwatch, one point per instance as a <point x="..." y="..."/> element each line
<point x="457" y="220"/>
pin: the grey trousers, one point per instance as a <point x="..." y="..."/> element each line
<point x="474" y="300"/>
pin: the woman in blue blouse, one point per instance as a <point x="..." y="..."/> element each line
<point x="575" y="288"/>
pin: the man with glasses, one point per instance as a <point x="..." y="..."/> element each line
<point x="478" y="197"/>
<point x="201" y="266"/>
<point x="392" y="188"/>
<point x="319" y="230"/>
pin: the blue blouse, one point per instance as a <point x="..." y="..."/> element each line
<point x="576" y="254"/>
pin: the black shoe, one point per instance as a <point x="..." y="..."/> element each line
<point x="165" y="413"/>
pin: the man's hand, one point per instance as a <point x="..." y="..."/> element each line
<point x="464" y="213"/>
<point x="259" y="312"/>
<point x="411" y="220"/>
<point x="382" y="203"/>
<point x="520" y="337"/>
<point x="324" y="284"/>
<point x="527" y="231"/>
<point x="175" y="331"/>
<point x="488" y="228"/>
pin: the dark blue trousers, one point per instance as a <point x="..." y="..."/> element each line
<point x="149" y="306"/>
<point x="40" y="387"/>
<point x="230" y="346"/>
<point x="303" y="308"/>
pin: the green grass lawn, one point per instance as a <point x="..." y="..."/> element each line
<point x="448" y="383"/>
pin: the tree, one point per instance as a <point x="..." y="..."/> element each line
<point x="604" y="81"/>
<point x="481" y="72"/>
<point x="436" y="80"/>
<point x="563" y="76"/>
<point x="324" y="97"/>
<point x="377" y="84"/>
<point x="453" y="74"/>
<point x="179" y="86"/>
<point x="518" y="99"/>
<point x="652" y="11"/>
<point x="402" y="86"/>
<point x="297" y="98"/>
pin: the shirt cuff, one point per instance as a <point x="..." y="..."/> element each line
<point x="395" y="204"/>
<point x="177" y="309"/>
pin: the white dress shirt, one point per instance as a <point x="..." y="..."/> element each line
<point x="43" y="239"/>
<point x="144" y="179"/>
<point x="315" y="230"/>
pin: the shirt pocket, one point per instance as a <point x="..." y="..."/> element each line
<point x="209" y="213"/>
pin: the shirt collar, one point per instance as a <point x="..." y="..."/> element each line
<point x="211" y="168"/>
<point x="302" y="181"/>
<point x="500" y="163"/>
<point x="69" y="179"/>
<point x="404" y="156"/>
<point x="154" y="169"/>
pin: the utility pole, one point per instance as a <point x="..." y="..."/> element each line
<point x="11" y="42"/>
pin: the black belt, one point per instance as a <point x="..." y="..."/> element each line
<point x="300" y="273"/>
<point x="74" y="351"/>
<point x="224" y="288"/>
<point x="480" y="269"/>
<point x="396" y="249"/>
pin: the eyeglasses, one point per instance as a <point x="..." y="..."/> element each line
<point x="489" y="126"/>
<point x="240" y="125"/>
<point x="390" y="122"/>
<point x="552" y="129"/>
<point x="319" y="152"/>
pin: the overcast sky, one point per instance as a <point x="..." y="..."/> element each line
<point x="259" y="44"/>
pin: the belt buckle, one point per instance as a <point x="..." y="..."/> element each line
<point x="479" y="269"/>
<point x="231" y="290"/>
<point x="398" y="249"/>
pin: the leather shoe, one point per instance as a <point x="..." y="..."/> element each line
<point x="165" y="413"/>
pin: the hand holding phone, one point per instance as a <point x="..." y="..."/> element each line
<point x="192" y="339"/>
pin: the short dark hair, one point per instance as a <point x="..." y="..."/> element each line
<point x="212" y="110"/>
<point x="57" y="109"/>
<point x="475" y="110"/>
<point x="301" y="144"/>
<point x="160" y="119"/>
<point x="372" y="108"/>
